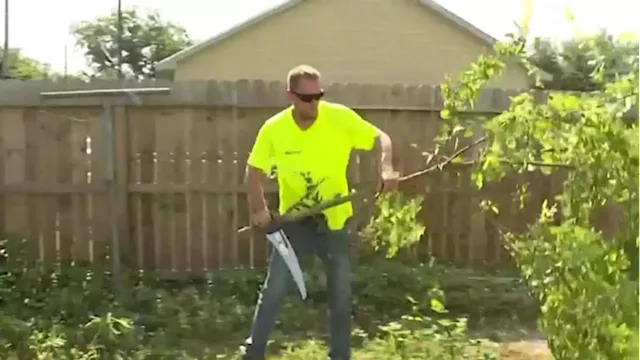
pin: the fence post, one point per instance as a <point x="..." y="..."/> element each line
<point x="121" y="168"/>
<point x="108" y="125"/>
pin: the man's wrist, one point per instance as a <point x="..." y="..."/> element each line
<point x="390" y="175"/>
<point x="388" y="172"/>
<point x="386" y="168"/>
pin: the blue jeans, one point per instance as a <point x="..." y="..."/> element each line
<point x="332" y="247"/>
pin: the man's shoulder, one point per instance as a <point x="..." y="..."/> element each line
<point x="337" y="112"/>
<point x="333" y="106"/>
<point x="279" y="117"/>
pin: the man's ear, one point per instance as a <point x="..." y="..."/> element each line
<point x="289" y="94"/>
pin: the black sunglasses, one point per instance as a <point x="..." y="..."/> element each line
<point x="309" y="97"/>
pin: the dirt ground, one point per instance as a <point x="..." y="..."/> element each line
<point x="525" y="350"/>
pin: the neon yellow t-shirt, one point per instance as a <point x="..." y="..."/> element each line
<point x="311" y="164"/>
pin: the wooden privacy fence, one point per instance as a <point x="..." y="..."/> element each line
<point x="179" y="161"/>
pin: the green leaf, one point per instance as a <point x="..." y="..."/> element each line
<point x="456" y="130"/>
<point x="437" y="306"/>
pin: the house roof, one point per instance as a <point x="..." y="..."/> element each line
<point x="170" y="62"/>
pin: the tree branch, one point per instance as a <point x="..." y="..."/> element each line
<point x="447" y="161"/>
<point x="534" y="163"/>
<point x="311" y="211"/>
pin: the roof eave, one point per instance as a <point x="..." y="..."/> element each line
<point x="171" y="62"/>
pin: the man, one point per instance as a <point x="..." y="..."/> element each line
<point x="308" y="145"/>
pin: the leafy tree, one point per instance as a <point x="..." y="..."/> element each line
<point x="578" y="274"/>
<point x="146" y="39"/>
<point x="573" y="62"/>
<point x="584" y="280"/>
<point x="26" y="68"/>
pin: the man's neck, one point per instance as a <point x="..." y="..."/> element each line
<point x="302" y="122"/>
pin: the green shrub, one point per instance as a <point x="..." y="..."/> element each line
<point x="580" y="275"/>
<point x="71" y="312"/>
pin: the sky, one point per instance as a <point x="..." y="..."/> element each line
<point x="40" y="28"/>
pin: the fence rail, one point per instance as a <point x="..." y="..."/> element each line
<point x="178" y="163"/>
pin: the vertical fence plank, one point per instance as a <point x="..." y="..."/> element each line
<point x="160" y="221"/>
<point x="493" y="234"/>
<point x="227" y="201"/>
<point x="121" y="142"/>
<point x="477" y="237"/>
<point x="31" y="177"/>
<point x="396" y="125"/>
<point x="200" y="219"/>
<point x="252" y="246"/>
<point x="3" y="154"/>
<point x="241" y="131"/>
<point x="213" y="179"/>
<point x="450" y="246"/>
<point x="165" y="199"/>
<point x="191" y="176"/>
<point x="413" y="127"/>
<point x="238" y="88"/>
<point x="430" y="121"/>
<point x="463" y="216"/>
<point x="432" y="212"/>
<point x="134" y="177"/>
<point x="143" y="172"/>
<point x="368" y="163"/>
<point x="226" y="176"/>
<point x="197" y="136"/>
<point x="450" y="250"/>
<point x="64" y="132"/>
<point x="350" y="93"/>
<point x="140" y="229"/>
<point x="445" y="196"/>
<point x="97" y="202"/>
<point x="466" y="206"/>
<point x="13" y="152"/>
<point x="508" y="215"/>
<point x="425" y="146"/>
<point x="80" y="158"/>
<point x="47" y="128"/>
<point x="220" y="200"/>
<point x="180" y="239"/>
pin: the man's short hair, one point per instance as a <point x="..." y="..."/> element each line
<point x="301" y="72"/>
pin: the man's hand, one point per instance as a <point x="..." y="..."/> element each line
<point x="262" y="218"/>
<point x="390" y="180"/>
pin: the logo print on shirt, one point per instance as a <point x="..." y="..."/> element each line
<point x="292" y="152"/>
